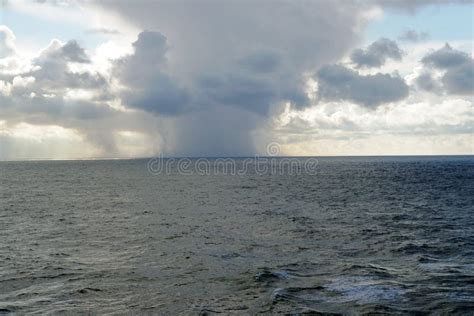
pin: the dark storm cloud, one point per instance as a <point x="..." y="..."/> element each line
<point x="376" y="53"/>
<point x="235" y="61"/>
<point x="250" y="93"/>
<point x="148" y="86"/>
<point x="262" y="62"/>
<point x="458" y="67"/>
<point x="217" y="131"/>
<point x="245" y="92"/>
<point x="160" y="96"/>
<point x="247" y="57"/>
<point x="337" y="83"/>
<point x="256" y="64"/>
<point x="413" y="36"/>
<point x="252" y="67"/>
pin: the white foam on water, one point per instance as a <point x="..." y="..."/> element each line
<point x="364" y="290"/>
<point x="358" y="289"/>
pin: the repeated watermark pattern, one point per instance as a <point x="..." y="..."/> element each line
<point x="272" y="163"/>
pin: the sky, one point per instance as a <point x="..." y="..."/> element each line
<point x="86" y="79"/>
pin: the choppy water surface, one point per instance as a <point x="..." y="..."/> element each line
<point x="387" y="235"/>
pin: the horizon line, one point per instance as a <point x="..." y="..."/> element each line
<point x="230" y="157"/>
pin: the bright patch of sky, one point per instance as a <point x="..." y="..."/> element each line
<point x="34" y="29"/>
<point x="442" y="23"/>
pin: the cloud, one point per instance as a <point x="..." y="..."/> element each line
<point x="446" y="57"/>
<point x="376" y="53"/>
<point x="7" y="42"/>
<point x="102" y="30"/>
<point x="51" y="93"/>
<point x="413" y="36"/>
<point x="251" y="93"/>
<point x="52" y="69"/>
<point x="217" y="131"/>
<point x="412" y="5"/>
<point x="460" y="80"/>
<point x="72" y="52"/>
<point x="423" y="118"/>
<point x="426" y="82"/>
<point x="147" y="85"/>
<point x="261" y="62"/>
<point x="231" y="58"/>
<point x="64" y="52"/>
<point x="439" y="126"/>
<point x="239" y="91"/>
<point x="208" y="78"/>
<point x="458" y="68"/>
<point x="338" y="83"/>
<point x="50" y="73"/>
<point x="50" y="109"/>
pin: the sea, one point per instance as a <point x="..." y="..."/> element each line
<point x="350" y="235"/>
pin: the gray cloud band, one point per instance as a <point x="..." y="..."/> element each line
<point x="457" y="68"/>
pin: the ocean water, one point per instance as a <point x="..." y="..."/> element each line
<point x="356" y="235"/>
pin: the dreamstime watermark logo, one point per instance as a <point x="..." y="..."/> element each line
<point x="272" y="163"/>
<point x="273" y="149"/>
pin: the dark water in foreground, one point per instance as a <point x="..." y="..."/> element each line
<point x="386" y="235"/>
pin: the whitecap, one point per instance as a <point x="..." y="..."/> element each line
<point x="364" y="290"/>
